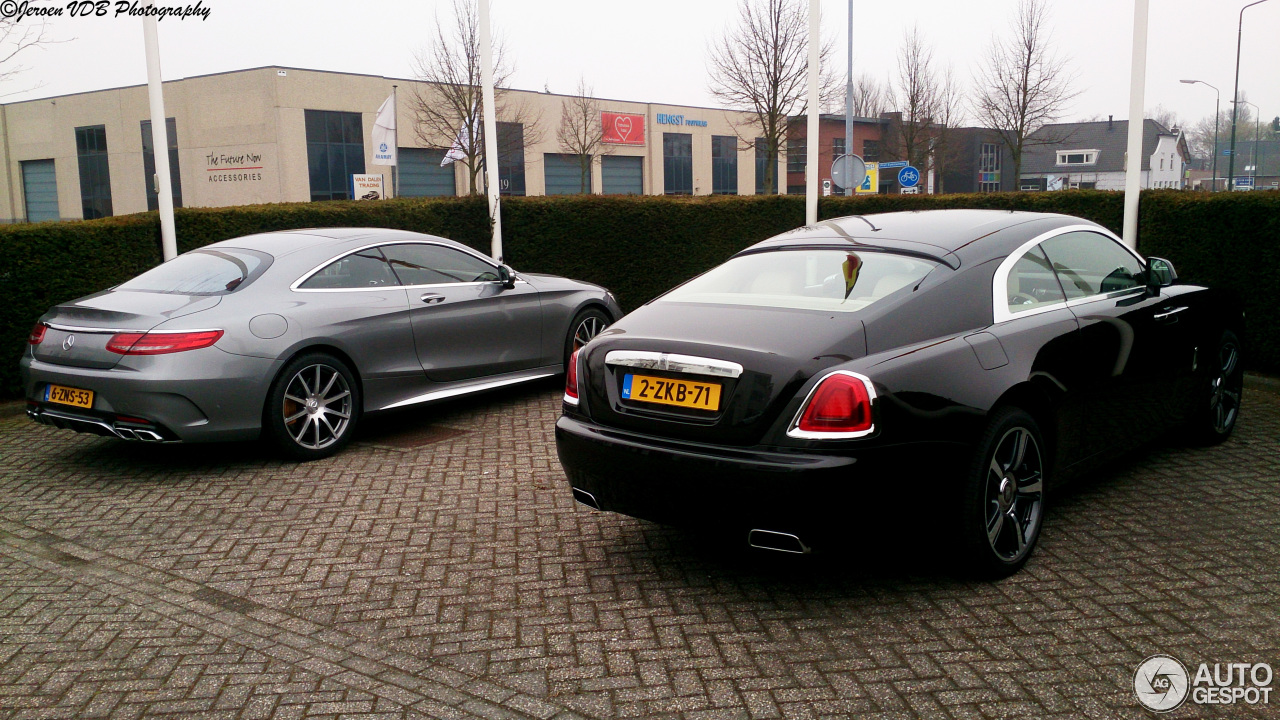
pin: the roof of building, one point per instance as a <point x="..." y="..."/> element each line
<point x="1110" y="138"/>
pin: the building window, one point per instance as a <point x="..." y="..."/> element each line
<point x="724" y="165"/>
<point x="989" y="168"/>
<point x="149" y="164"/>
<point x="797" y="155"/>
<point x="511" y="158"/>
<point x="1077" y="157"/>
<point x="677" y="163"/>
<point x="837" y="147"/>
<point x="335" y="152"/>
<point x="762" y="169"/>
<point x="566" y="174"/>
<point x="95" y="175"/>
<point x="871" y="150"/>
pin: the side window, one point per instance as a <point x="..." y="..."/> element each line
<point x="1032" y="283"/>
<point x="422" y="264"/>
<point x="363" y="269"/>
<point x="1091" y="264"/>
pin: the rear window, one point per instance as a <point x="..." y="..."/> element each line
<point x="827" y="280"/>
<point x="202" y="272"/>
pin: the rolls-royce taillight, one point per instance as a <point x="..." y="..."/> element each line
<point x="839" y="407"/>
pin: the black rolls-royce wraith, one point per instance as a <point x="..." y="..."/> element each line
<point x="973" y="357"/>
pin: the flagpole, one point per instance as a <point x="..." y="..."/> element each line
<point x="490" y="131"/>
<point x="1133" y="158"/>
<point x="811" y="160"/>
<point x="159" y="140"/>
<point x="395" y="133"/>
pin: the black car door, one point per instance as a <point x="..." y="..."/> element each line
<point x="1134" y="352"/>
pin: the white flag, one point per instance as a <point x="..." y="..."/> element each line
<point x="384" y="133"/>
<point x="456" y="152"/>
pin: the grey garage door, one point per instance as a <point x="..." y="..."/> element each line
<point x="421" y="174"/>
<point x="623" y="175"/>
<point x="564" y="174"/>
<point x="40" y="190"/>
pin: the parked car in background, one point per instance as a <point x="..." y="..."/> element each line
<point x="297" y="334"/>
<point x="867" y="367"/>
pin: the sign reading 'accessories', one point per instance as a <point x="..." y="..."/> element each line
<point x="622" y="128"/>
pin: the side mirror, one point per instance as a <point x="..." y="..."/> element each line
<point x="1160" y="273"/>
<point x="506" y="276"/>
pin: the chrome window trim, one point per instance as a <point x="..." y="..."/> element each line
<point x="673" y="362"/>
<point x="1000" y="285"/>
<point x="307" y="275"/>
<point x="794" y="431"/>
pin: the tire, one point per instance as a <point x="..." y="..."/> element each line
<point x="585" y="326"/>
<point x="310" y="433"/>
<point x="1002" y="496"/>
<point x="1217" y="407"/>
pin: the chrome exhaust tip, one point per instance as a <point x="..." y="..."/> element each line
<point x="586" y="498"/>
<point x="148" y="435"/>
<point x="779" y="541"/>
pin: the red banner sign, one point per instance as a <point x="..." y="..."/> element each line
<point x="622" y="129"/>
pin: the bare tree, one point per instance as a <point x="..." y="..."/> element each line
<point x="447" y="109"/>
<point x="581" y="131"/>
<point x="949" y="114"/>
<point x="915" y="93"/>
<point x="1021" y="86"/>
<point x="1167" y="118"/>
<point x="15" y="39"/>
<point x="870" y="97"/>
<point x="760" y="66"/>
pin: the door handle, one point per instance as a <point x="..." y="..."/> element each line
<point x="432" y="299"/>
<point x="1168" y="315"/>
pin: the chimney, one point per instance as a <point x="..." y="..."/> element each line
<point x="1110" y="123"/>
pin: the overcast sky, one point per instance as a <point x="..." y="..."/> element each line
<point x="655" y="50"/>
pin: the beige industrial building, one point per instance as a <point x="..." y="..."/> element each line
<point x="277" y="134"/>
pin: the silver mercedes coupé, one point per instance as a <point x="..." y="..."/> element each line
<point x="295" y="334"/>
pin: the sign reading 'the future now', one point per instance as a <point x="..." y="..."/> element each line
<point x="622" y="129"/>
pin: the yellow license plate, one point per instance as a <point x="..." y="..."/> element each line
<point x="69" y="396"/>
<point x="665" y="391"/>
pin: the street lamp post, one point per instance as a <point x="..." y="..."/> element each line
<point x="1217" y="111"/>
<point x="1235" y="95"/>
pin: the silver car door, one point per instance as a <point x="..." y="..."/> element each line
<point x="465" y="323"/>
<point x="356" y="301"/>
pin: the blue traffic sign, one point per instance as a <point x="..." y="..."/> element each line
<point x="908" y="177"/>
<point x="894" y="164"/>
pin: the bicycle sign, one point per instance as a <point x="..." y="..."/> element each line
<point x="908" y="177"/>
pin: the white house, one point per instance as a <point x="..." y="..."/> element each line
<point x="1090" y="155"/>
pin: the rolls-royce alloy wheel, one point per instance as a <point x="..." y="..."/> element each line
<point x="1003" y="502"/>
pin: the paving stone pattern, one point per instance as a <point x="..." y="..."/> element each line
<point x="439" y="568"/>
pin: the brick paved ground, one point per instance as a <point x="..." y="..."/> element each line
<point x="439" y="568"/>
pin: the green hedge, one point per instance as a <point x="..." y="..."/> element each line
<point x="636" y="246"/>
